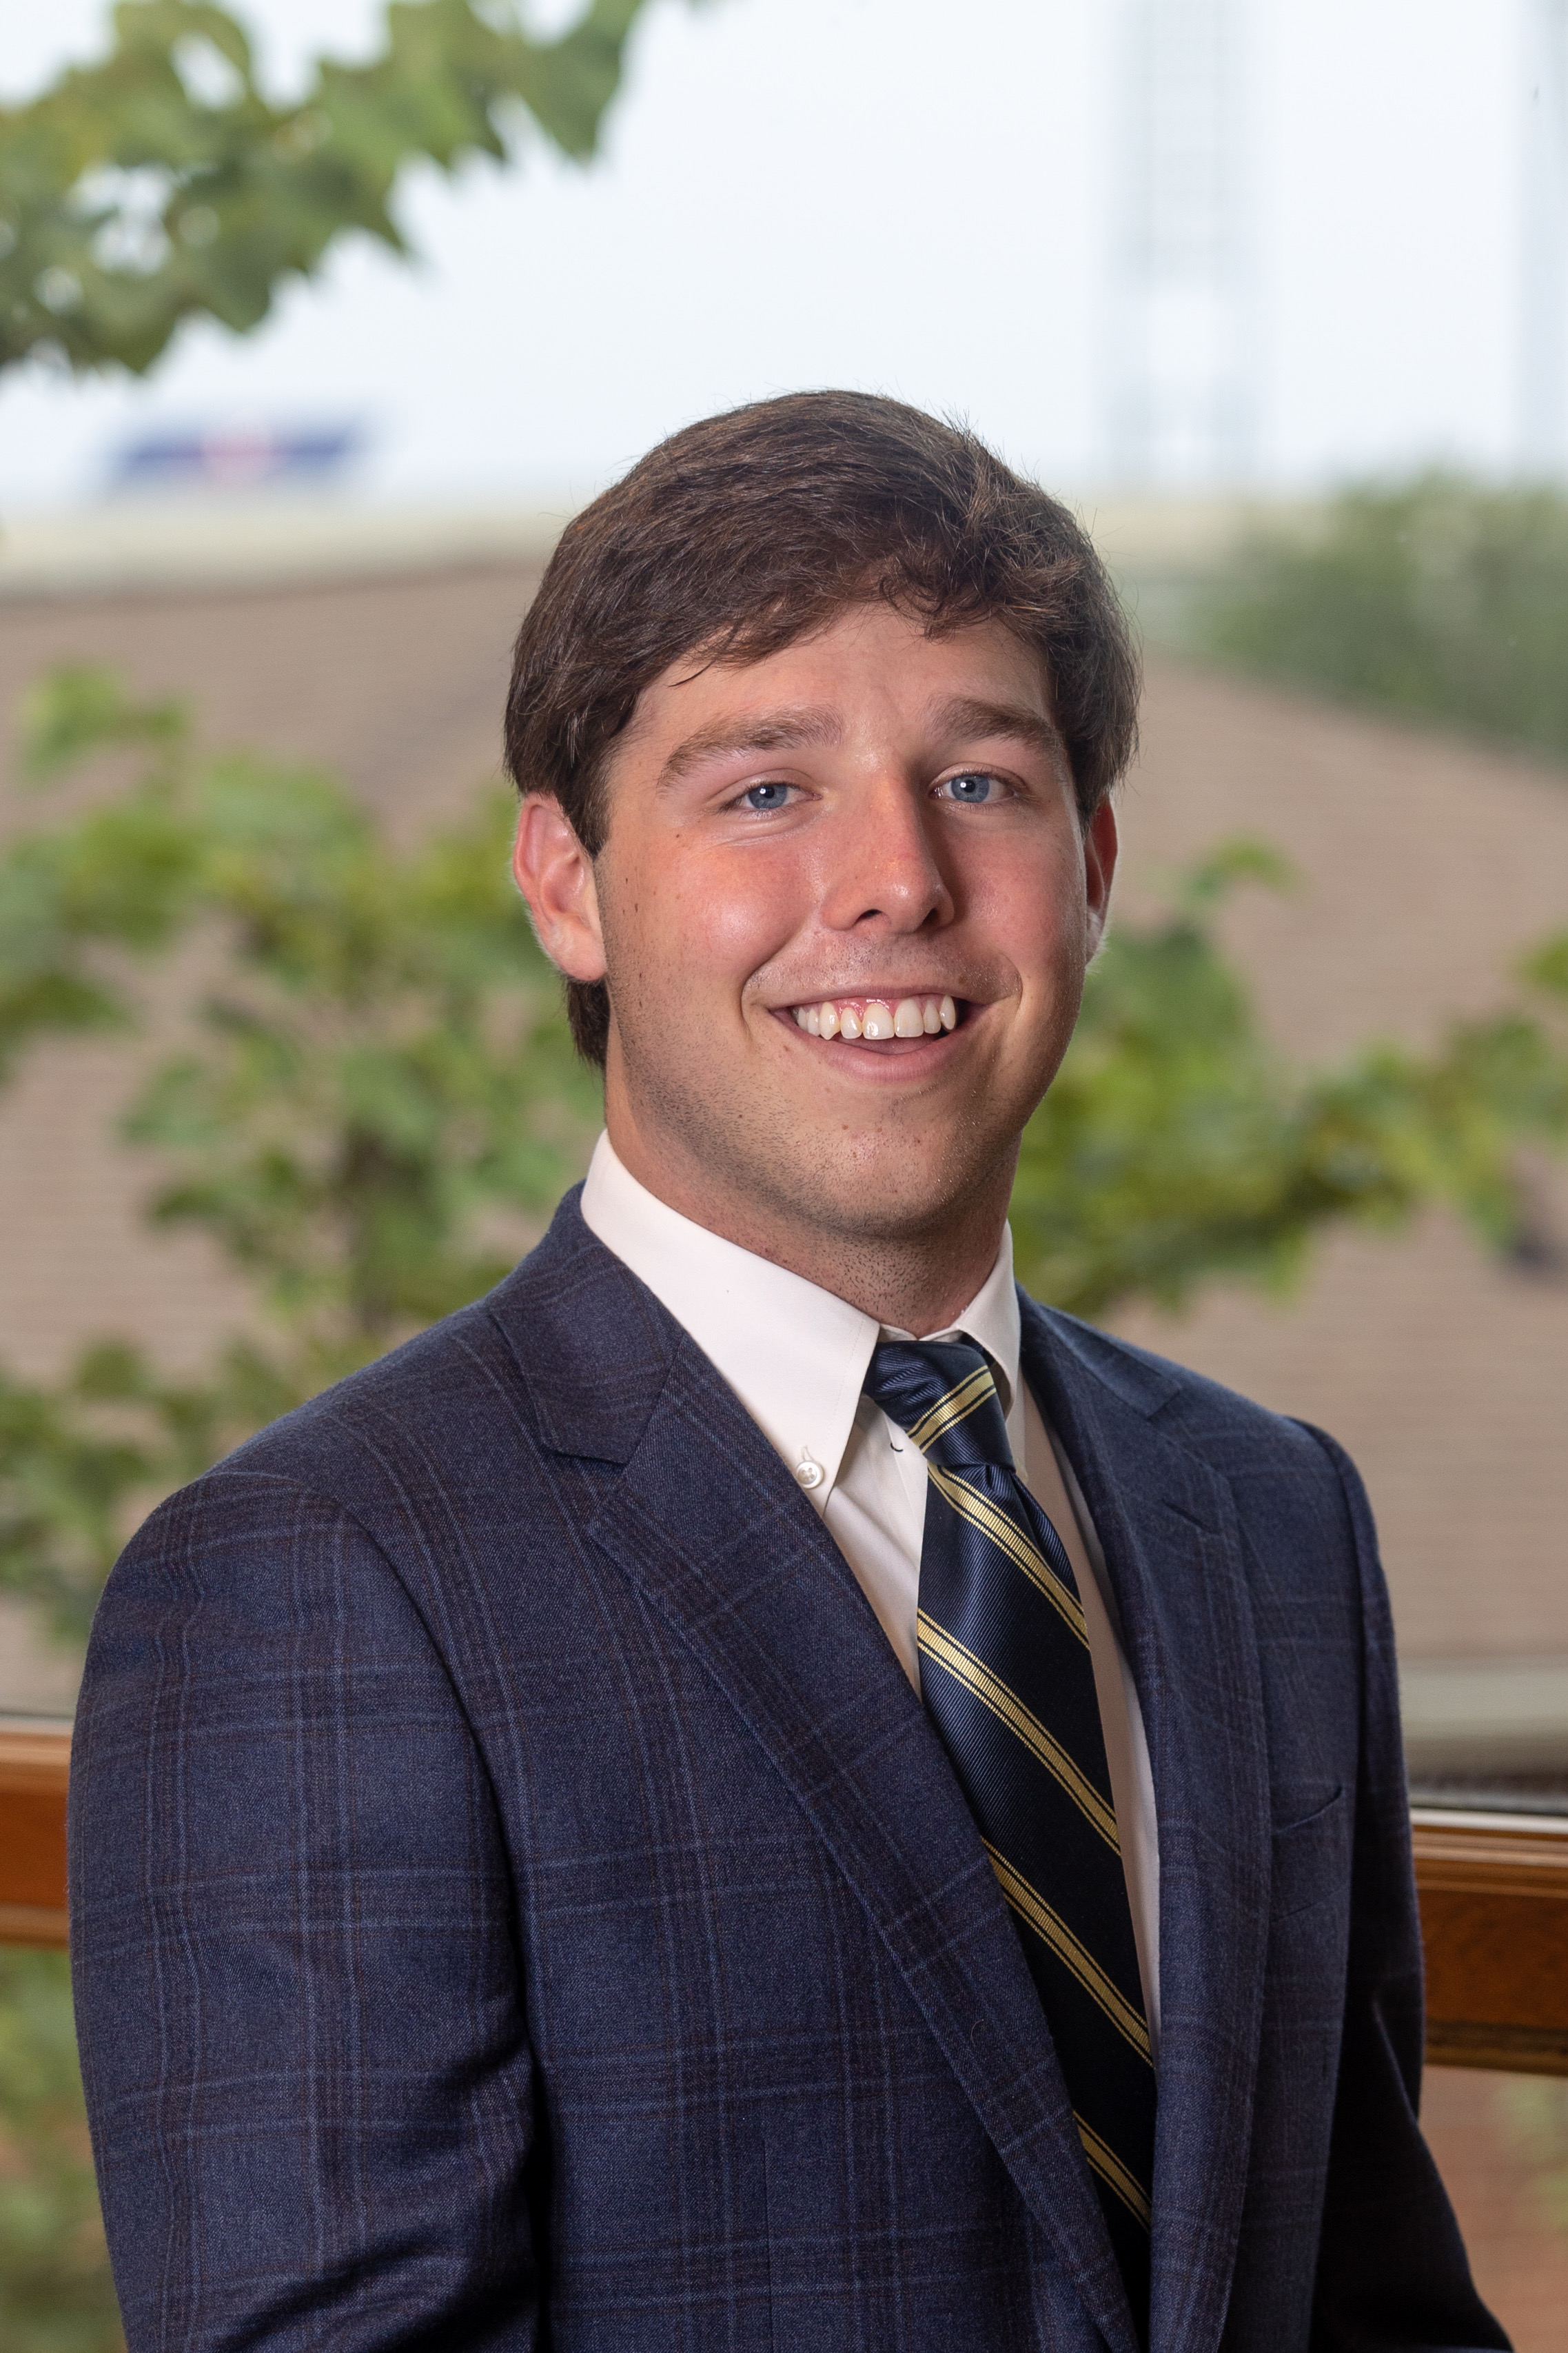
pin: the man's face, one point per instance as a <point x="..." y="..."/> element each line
<point x="872" y="831"/>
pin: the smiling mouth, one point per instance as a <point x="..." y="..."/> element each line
<point x="873" y="1020"/>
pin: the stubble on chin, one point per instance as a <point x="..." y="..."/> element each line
<point x="792" y="1187"/>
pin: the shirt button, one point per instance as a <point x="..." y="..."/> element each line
<point x="809" y="1474"/>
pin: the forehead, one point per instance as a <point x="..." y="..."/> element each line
<point x="871" y="669"/>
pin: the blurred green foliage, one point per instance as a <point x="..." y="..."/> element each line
<point x="1535" y="2117"/>
<point x="1177" y="1146"/>
<point x="81" y="1461"/>
<point x="56" y="2294"/>
<point x="161" y="182"/>
<point x="375" y="1088"/>
<point x="1439" y="598"/>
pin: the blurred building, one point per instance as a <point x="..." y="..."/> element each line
<point x="247" y="455"/>
<point x="1181" y="337"/>
<point x="1425" y="866"/>
<point x="1544" y="241"/>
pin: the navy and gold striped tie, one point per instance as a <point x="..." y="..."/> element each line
<point x="1008" y="1680"/>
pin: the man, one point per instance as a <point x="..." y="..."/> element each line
<point x="756" y="1787"/>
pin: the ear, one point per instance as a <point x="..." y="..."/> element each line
<point x="1101" y="843"/>
<point x="556" y="875"/>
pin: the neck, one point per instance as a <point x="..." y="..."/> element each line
<point x="916" y="1281"/>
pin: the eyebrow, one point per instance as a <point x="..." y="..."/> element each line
<point x="773" y="730"/>
<point x="965" y="715"/>
<point x="961" y="715"/>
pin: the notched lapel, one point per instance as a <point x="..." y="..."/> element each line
<point x="1168" y="1523"/>
<point x="707" y="1523"/>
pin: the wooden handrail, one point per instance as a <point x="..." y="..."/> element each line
<point x="35" y="1767"/>
<point x="1494" y="1916"/>
<point x="1493" y="1890"/>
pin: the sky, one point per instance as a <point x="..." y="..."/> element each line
<point x="913" y="196"/>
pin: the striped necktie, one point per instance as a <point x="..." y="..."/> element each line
<point x="1008" y="1680"/>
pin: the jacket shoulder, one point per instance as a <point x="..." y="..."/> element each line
<point x="1231" y="1431"/>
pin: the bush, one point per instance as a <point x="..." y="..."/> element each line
<point x="1438" y="599"/>
<point x="56" y="2294"/>
<point x="1177" y="1147"/>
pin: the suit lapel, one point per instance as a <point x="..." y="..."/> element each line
<point x="708" y="1527"/>
<point x="1168" y="1523"/>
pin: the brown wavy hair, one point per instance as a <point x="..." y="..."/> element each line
<point x="747" y="532"/>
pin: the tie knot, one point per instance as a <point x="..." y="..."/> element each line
<point x="944" y="1393"/>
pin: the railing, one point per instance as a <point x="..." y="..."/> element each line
<point x="1493" y="1890"/>
<point x="1494" y="1919"/>
<point x="35" y="1764"/>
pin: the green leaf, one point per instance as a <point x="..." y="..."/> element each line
<point x="1176" y="1145"/>
<point x="76" y="709"/>
<point x="56" y="2293"/>
<point x="128" y="202"/>
<point x="1547" y="966"/>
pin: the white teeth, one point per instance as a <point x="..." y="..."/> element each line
<point x="913" y="1016"/>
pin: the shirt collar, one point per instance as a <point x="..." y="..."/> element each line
<point x="794" y="1354"/>
<point x="992" y="1321"/>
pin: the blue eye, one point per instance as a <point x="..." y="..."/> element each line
<point x="765" y="796"/>
<point x="974" y="787"/>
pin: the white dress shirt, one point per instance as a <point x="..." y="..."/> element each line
<point x="796" y="1358"/>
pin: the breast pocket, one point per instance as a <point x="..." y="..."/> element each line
<point x="1312" y="1857"/>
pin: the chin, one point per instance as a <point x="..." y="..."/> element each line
<point x="880" y="1199"/>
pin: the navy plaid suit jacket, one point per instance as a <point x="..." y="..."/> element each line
<point x="517" y="1899"/>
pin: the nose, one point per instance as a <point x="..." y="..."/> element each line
<point x="883" y="871"/>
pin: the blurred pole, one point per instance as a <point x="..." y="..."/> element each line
<point x="1181" y="330"/>
<point x="1543" y="255"/>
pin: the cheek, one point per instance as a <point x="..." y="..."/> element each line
<point x="1032" y="907"/>
<point x="699" y="926"/>
<point x="730" y="927"/>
